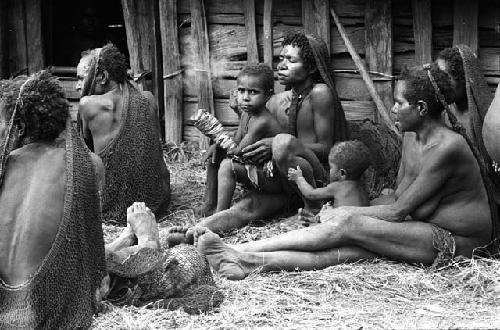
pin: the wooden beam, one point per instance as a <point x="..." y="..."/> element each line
<point x="199" y="36"/>
<point x="171" y="71"/>
<point x="268" y="32"/>
<point x="378" y="44"/>
<point x="422" y="31"/>
<point x="465" y="25"/>
<point x="139" y="25"/>
<point x="18" y="56"/>
<point x="4" y="70"/>
<point x="249" y="10"/>
<point x="316" y="18"/>
<point x="34" y="40"/>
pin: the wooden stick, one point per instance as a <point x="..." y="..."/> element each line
<point x="384" y="114"/>
<point x="249" y="10"/>
<point x="422" y="30"/>
<point x="268" y="32"/>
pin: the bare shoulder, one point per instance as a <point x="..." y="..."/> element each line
<point x="94" y="103"/>
<point x="452" y="150"/>
<point x="321" y="92"/>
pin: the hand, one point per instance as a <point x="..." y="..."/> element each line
<point x="307" y="217"/>
<point x="210" y="154"/>
<point x="233" y="151"/>
<point x="259" y="151"/>
<point x="294" y="174"/>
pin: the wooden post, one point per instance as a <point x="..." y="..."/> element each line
<point x="199" y="35"/>
<point x="316" y="18"/>
<point x="34" y="40"/>
<point x="139" y="25"/>
<point x="3" y="41"/>
<point x="465" y="26"/>
<point x="171" y="71"/>
<point x="18" y="57"/>
<point x="378" y="44"/>
<point x="268" y="32"/>
<point x="249" y="10"/>
<point x="422" y="30"/>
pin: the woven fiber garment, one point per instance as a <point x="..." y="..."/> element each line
<point x="61" y="293"/>
<point x="133" y="161"/>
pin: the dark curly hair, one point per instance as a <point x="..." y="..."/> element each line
<point x="454" y="62"/>
<point x="352" y="156"/>
<point x="111" y="60"/>
<point x="261" y="71"/>
<point x="420" y="88"/>
<point x="42" y="107"/>
<point x="299" y="39"/>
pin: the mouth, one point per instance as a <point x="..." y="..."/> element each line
<point x="281" y="75"/>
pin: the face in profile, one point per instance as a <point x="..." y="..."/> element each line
<point x="335" y="174"/>
<point x="406" y="114"/>
<point x="82" y="74"/>
<point x="291" y="68"/>
<point x="251" y="94"/>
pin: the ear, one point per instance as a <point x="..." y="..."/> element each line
<point x="343" y="174"/>
<point x="312" y="70"/>
<point x="423" y="109"/>
<point x="21" y="128"/>
<point x="104" y="77"/>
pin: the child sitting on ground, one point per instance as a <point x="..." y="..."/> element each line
<point x="255" y="87"/>
<point x="348" y="160"/>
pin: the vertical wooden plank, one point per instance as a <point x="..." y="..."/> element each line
<point x="465" y="26"/>
<point x="158" y="68"/>
<point x="249" y="10"/>
<point x="34" y="40"/>
<point x="316" y="18"/>
<point x="18" y="57"/>
<point x="3" y="41"/>
<point x="171" y="71"/>
<point x="199" y="35"/>
<point x="268" y="32"/>
<point x="378" y="44"/>
<point x="139" y="26"/>
<point x="422" y="30"/>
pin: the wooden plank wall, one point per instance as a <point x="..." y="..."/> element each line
<point x="228" y="46"/>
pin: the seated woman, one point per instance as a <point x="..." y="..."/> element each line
<point x="440" y="211"/>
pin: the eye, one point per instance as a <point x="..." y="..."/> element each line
<point x="241" y="90"/>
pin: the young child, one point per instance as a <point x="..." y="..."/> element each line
<point x="255" y="87"/>
<point x="348" y="160"/>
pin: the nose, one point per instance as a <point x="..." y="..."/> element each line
<point x="394" y="109"/>
<point x="281" y="65"/>
<point x="246" y="95"/>
<point x="78" y="86"/>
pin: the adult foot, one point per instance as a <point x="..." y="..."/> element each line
<point x="143" y="224"/>
<point x="205" y="210"/>
<point x="179" y="235"/>
<point x="307" y="218"/>
<point x="225" y="260"/>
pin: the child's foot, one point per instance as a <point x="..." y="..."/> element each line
<point x="143" y="224"/>
<point x="179" y="235"/>
<point x="307" y="218"/>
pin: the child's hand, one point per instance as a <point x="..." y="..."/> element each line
<point x="294" y="174"/>
<point x="233" y="152"/>
<point x="209" y="155"/>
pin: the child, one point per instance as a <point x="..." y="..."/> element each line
<point x="348" y="160"/>
<point x="255" y="87"/>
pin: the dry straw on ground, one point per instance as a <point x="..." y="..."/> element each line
<point x="378" y="294"/>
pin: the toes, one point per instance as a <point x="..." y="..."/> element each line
<point x="231" y="271"/>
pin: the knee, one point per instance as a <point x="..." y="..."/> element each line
<point x="226" y="168"/>
<point x="282" y="147"/>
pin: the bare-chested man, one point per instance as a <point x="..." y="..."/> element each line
<point x="440" y="210"/>
<point x="119" y="123"/>
<point x="314" y="119"/>
<point x="51" y="243"/>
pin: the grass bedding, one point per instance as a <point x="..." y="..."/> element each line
<point x="378" y="294"/>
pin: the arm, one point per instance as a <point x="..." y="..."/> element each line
<point x="322" y="104"/>
<point x="84" y="114"/>
<point x="438" y="168"/>
<point x="308" y="191"/>
<point x="254" y="134"/>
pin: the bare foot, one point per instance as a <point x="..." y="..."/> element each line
<point x="205" y="210"/>
<point x="179" y="235"/>
<point x="225" y="260"/>
<point x="143" y="224"/>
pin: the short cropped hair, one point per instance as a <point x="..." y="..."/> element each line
<point x="352" y="156"/>
<point x="420" y="88"/>
<point x="454" y="62"/>
<point x="299" y="39"/>
<point x="42" y="107"/>
<point x="111" y="60"/>
<point x="261" y="71"/>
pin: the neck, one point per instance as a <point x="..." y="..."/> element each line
<point x="302" y="86"/>
<point x="427" y="129"/>
<point x="462" y="104"/>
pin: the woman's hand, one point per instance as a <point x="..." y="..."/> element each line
<point x="260" y="151"/>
